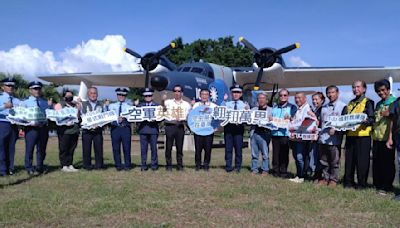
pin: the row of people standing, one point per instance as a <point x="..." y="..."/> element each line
<point x="323" y="156"/>
<point x="381" y="125"/>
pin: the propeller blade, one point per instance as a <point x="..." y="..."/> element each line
<point x="135" y="54"/>
<point x="147" y="79"/>
<point x="247" y="44"/>
<point x="287" y="49"/>
<point x="259" y="76"/>
<point x="164" y="50"/>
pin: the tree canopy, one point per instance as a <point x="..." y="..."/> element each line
<point x="222" y="51"/>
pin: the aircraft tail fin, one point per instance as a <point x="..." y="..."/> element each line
<point x="83" y="88"/>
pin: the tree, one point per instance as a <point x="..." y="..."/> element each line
<point x="135" y="94"/>
<point x="222" y="51"/>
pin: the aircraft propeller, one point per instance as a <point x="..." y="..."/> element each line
<point x="150" y="60"/>
<point x="265" y="57"/>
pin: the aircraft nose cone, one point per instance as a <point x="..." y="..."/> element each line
<point x="159" y="82"/>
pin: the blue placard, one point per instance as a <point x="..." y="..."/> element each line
<point x="201" y="122"/>
<point x="218" y="89"/>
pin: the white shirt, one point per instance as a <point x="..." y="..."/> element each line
<point x="171" y="104"/>
<point x="300" y="116"/>
<point x="208" y="103"/>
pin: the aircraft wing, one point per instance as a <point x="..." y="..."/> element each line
<point x="126" y="79"/>
<point x="316" y="76"/>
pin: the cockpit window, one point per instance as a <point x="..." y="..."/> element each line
<point x="186" y="69"/>
<point x="210" y="75"/>
<point x="197" y="70"/>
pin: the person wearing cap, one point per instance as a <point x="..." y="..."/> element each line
<point x="233" y="133"/>
<point x="121" y="131"/>
<point x="148" y="133"/>
<point x="36" y="136"/>
<point x="68" y="135"/>
<point x="94" y="136"/>
<point x="280" y="137"/>
<point x="175" y="129"/>
<point x="203" y="141"/>
<point x="8" y="131"/>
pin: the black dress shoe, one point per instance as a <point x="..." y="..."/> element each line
<point x="144" y="169"/>
<point x="237" y="170"/>
<point x="206" y="168"/>
<point x="11" y="172"/>
<point x="41" y="171"/>
<point x="197" y="168"/>
<point x="228" y="170"/>
<point x="30" y="172"/>
<point x="168" y="168"/>
<point x="2" y="174"/>
<point x="179" y="168"/>
<point x="154" y="168"/>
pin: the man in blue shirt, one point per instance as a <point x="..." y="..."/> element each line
<point x="233" y="133"/>
<point x="148" y="132"/>
<point x="280" y="138"/>
<point x="36" y="136"/>
<point x="121" y="131"/>
<point x="8" y="131"/>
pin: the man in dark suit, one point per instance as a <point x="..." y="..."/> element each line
<point x="148" y="132"/>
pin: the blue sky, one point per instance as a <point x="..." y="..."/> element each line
<point x="331" y="33"/>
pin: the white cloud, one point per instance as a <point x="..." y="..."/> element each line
<point x="104" y="55"/>
<point x="298" y="62"/>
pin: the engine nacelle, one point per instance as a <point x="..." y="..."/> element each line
<point x="266" y="60"/>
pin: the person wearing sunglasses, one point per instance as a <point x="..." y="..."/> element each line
<point x="36" y="136"/>
<point x="233" y="133"/>
<point x="280" y="138"/>
<point x="148" y="133"/>
<point x="175" y="129"/>
<point x="8" y="131"/>
<point x="121" y="131"/>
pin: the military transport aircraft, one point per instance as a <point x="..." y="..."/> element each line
<point x="268" y="71"/>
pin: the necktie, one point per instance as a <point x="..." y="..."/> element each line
<point x="11" y="100"/>
<point x="120" y="109"/>
<point x="37" y="102"/>
<point x="235" y="107"/>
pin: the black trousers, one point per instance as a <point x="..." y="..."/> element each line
<point x="383" y="167"/>
<point x="95" y="137"/>
<point x="174" y="133"/>
<point x="233" y="137"/>
<point x="67" y="144"/>
<point x="280" y="154"/>
<point x="357" y="156"/>
<point x="200" y="143"/>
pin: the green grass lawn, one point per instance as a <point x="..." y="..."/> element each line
<point x="189" y="198"/>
